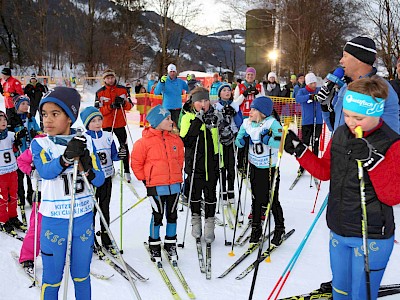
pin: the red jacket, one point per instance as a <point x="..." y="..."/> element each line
<point x="11" y="87"/>
<point x="158" y="158"/>
<point x="106" y="96"/>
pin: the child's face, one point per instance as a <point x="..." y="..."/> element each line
<point x="202" y="105"/>
<point x="3" y="123"/>
<point x="96" y="124"/>
<point x="225" y="93"/>
<point x="55" y="120"/>
<point x="312" y="85"/>
<point x="166" y="124"/>
<point x="23" y="107"/>
<point x="255" y="115"/>
<point x="353" y="120"/>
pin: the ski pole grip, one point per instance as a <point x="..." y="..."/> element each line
<point x="359" y="132"/>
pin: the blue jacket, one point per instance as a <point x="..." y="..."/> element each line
<point x="172" y="92"/>
<point x="214" y="87"/>
<point x="149" y="85"/>
<point x="307" y="109"/>
<point x="390" y="113"/>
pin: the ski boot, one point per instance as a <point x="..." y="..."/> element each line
<point x="256" y="232"/>
<point x="110" y="249"/>
<point x="155" y="249"/>
<point x="300" y="171"/>
<point x="8" y="228"/>
<point x="209" y="226"/>
<point x="17" y="224"/>
<point x="278" y="234"/>
<point x="196" y="226"/>
<point x="28" y="266"/>
<point x="170" y="247"/>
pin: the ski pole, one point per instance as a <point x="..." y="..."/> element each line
<point x="364" y="221"/>
<point x="190" y="192"/>
<point x="313" y="134"/>
<point x="267" y="214"/>
<point x="36" y="230"/>
<point x="292" y="262"/>
<point x="132" y="207"/>
<point x="121" y="205"/>
<point x="113" y="242"/>
<point x="71" y="222"/>
<point x="316" y="197"/>
<point x="246" y="190"/>
<point x="269" y="217"/>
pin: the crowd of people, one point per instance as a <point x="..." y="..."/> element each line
<point x="218" y="133"/>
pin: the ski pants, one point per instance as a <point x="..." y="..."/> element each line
<point x="8" y="196"/>
<point x="103" y="196"/>
<point x="53" y="240"/>
<point x="122" y="139"/>
<point x="21" y="187"/>
<point x="228" y="172"/>
<point x="27" y="249"/>
<point x="175" y="115"/>
<point x="159" y="204"/>
<point x="348" y="268"/>
<point x="200" y="186"/>
<point x="260" y="180"/>
<point x="307" y="135"/>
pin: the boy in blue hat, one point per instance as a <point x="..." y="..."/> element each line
<point x="92" y="119"/>
<point x="265" y="133"/>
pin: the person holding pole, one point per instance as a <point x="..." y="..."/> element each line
<point x="360" y="201"/>
<point x="53" y="157"/>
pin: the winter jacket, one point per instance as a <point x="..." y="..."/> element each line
<point x="11" y="87"/>
<point x="237" y="119"/>
<point x="307" y="109"/>
<point x="35" y="92"/>
<point x="296" y="88"/>
<point x="158" y="158"/>
<point x="272" y="89"/>
<point x="288" y="90"/>
<point x="207" y="148"/>
<point x="395" y="83"/>
<point x="390" y="112"/>
<point x="243" y="101"/>
<point x="105" y="96"/>
<point x="172" y="92"/>
<point x="214" y="88"/>
<point x="382" y="183"/>
<point x="150" y="85"/>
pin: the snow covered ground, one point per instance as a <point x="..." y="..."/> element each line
<point x="311" y="269"/>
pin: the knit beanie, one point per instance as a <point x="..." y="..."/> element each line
<point x="293" y="77"/>
<point x="171" y="68"/>
<point x="222" y="86"/>
<point x="66" y="98"/>
<point x="19" y="99"/>
<point x="271" y="74"/>
<point x="156" y="115"/>
<point x="88" y="114"/>
<point x="6" y="71"/>
<point x="33" y="76"/>
<point x="251" y="70"/>
<point x="362" y="48"/>
<point x="108" y="72"/>
<point x="263" y="104"/>
<point x="310" y="78"/>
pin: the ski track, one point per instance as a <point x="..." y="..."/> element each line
<point x="311" y="269"/>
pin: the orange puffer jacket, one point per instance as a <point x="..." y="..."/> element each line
<point x="106" y="96"/>
<point x="158" y="158"/>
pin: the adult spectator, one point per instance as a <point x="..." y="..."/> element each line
<point x="395" y="83"/>
<point x="289" y="87"/>
<point x="300" y="84"/>
<point x="138" y="86"/>
<point x="271" y="86"/>
<point x="34" y="90"/>
<point x="171" y="88"/>
<point x="359" y="55"/>
<point x="191" y="81"/>
<point x="311" y="114"/>
<point x="151" y="82"/>
<point x="11" y="87"/>
<point x="112" y="101"/>
<point x="214" y="88"/>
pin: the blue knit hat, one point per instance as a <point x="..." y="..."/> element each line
<point x="88" y="114"/>
<point x="222" y="86"/>
<point x="156" y="115"/>
<point x="263" y="104"/>
<point x="18" y="99"/>
<point x="66" y="98"/>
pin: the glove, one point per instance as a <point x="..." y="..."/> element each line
<point x="33" y="133"/>
<point x="250" y="90"/>
<point x="122" y="153"/>
<point x="97" y="104"/>
<point x="163" y="78"/>
<point x="118" y="102"/>
<point x="75" y="148"/>
<point x="210" y="119"/>
<point x="311" y="98"/>
<point x="200" y="115"/>
<point x="21" y="134"/>
<point x="229" y="110"/>
<point x="293" y="145"/>
<point x="323" y="94"/>
<point x="265" y="136"/>
<point x="86" y="162"/>
<point x="362" y="150"/>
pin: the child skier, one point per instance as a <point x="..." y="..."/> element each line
<point x="53" y="157"/>
<point x="379" y="152"/>
<point x="228" y="128"/>
<point x="107" y="152"/>
<point x="27" y="128"/>
<point x="265" y="133"/>
<point x="199" y="128"/>
<point x="157" y="160"/>
<point x="8" y="179"/>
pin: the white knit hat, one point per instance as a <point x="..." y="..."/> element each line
<point x="271" y="74"/>
<point x="310" y="78"/>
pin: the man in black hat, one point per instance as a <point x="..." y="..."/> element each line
<point x="34" y="90"/>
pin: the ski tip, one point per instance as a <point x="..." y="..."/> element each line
<point x="231" y="253"/>
<point x="268" y="259"/>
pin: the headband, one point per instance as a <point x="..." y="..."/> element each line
<point x="363" y="104"/>
<point x="200" y="96"/>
